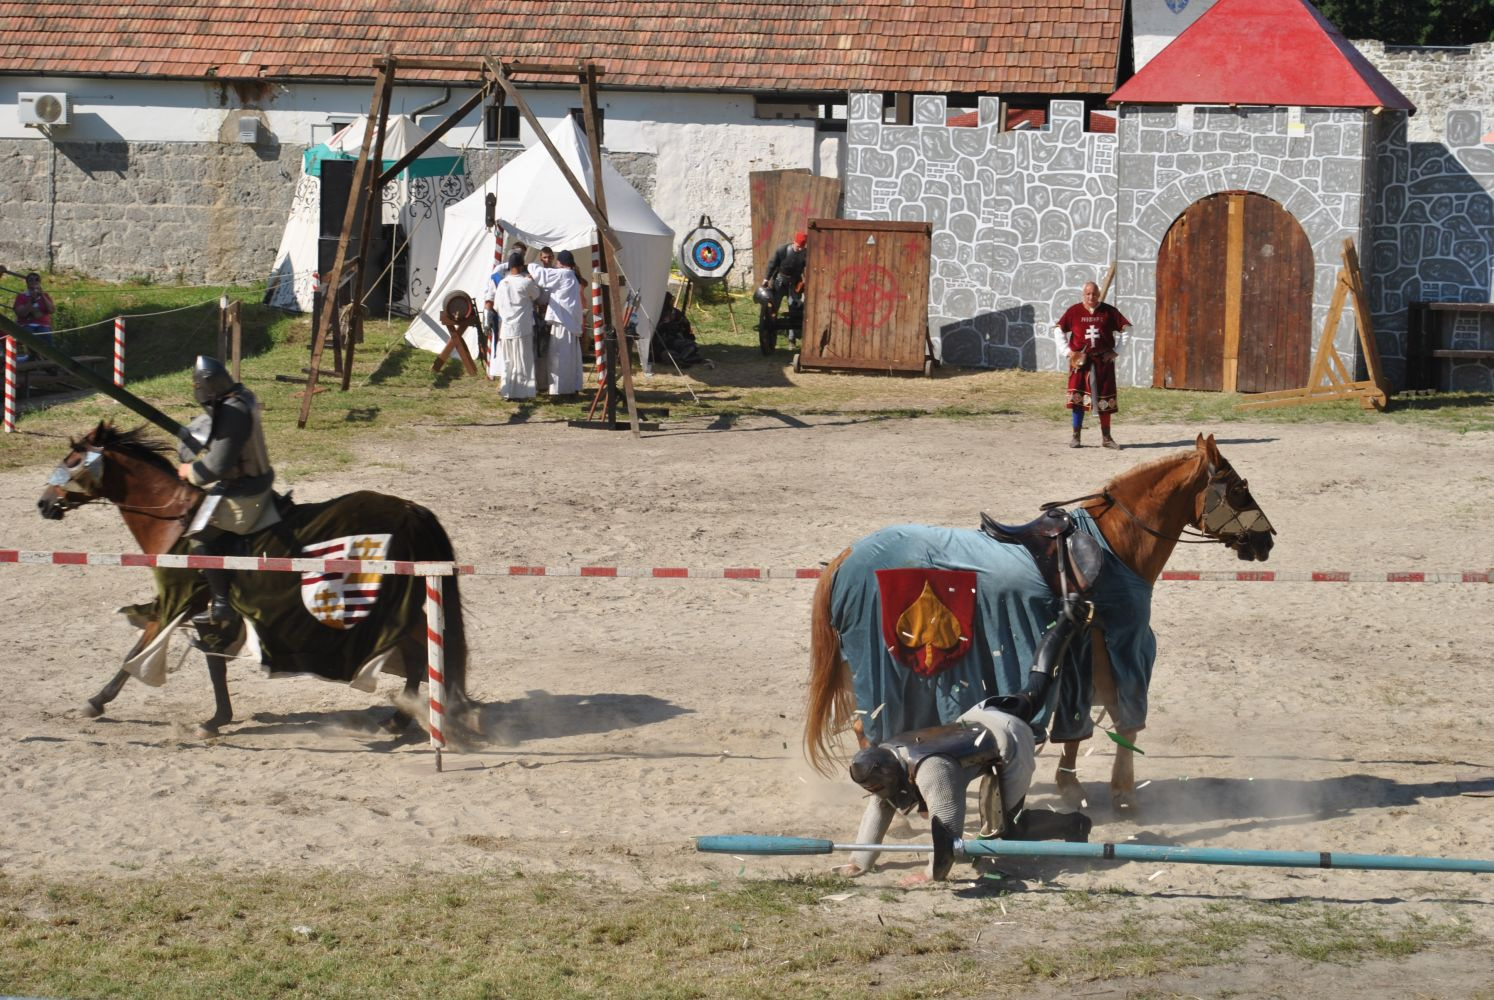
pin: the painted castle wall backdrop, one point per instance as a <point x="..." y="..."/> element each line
<point x="1022" y="219"/>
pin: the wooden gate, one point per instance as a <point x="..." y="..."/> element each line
<point x="783" y="202"/>
<point x="867" y="296"/>
<point x="1234" y="297"/>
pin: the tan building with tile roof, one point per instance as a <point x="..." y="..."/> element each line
<point x="928" y="46"/>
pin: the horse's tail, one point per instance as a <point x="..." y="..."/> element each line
<point x="454" y="637"/>
<point x="831" y="702"/>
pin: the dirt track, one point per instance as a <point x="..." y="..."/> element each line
<point x="628" y="716"/>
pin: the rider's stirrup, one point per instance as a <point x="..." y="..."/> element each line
<point x="218" y="612"/>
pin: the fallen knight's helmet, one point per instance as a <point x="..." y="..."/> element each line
<point x="882" y="772"/>
<point x="210" y="381"/>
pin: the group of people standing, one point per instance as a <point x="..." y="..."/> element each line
<point x="536" y="309"/>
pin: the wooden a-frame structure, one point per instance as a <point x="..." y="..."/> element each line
<point x="496" y="79"/>
<point x="1330" y="378"/>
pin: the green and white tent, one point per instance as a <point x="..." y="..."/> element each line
<point x="414" y="203"/>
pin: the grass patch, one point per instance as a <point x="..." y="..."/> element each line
<point x="514" y="936"/>
<point x="1138" y="945"/>
<point x="393" y="390"/>
<point x="517" y="935"/>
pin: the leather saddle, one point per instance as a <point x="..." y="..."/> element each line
<point x="1069" y="560"/>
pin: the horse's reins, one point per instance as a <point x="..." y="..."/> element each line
<point x="1189" y="535"/>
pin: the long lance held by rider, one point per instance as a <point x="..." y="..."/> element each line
<point x="749" y="844"/>
<point x="114" y="392"/>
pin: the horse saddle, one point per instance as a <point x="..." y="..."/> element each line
<point x="1069" y="560"/>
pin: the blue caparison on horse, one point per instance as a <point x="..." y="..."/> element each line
<point x="342" y="627"/>
<point x="915" y="624"/>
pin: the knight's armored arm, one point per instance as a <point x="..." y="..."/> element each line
<point x="874" y="824"/>
<point x="942" y="785"/>
<point x="232" y="425"/>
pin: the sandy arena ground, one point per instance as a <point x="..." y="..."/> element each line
<point x="628" y="716"/>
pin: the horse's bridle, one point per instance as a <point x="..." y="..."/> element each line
<point x="81" y="484"/>
<point x="1222" y="521"/>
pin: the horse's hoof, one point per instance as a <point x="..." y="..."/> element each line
<point x="396" y="724"/>
<point x="1123" y="801"/>
<point x="92" y="711"/>
<point x="206" y="730"/>
<point x="1072" y="794"/>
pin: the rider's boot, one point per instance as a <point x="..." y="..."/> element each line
<point x="1074" y="441"/>
<point x="219" y="611"/>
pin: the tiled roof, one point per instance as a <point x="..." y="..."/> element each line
<point x="1262" y="52"/>
<point x="926" y="46"/>
<point x="1099" y="121"/>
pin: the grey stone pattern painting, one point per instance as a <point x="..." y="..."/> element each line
<point x="1433" y="228"/>
<point x="1021" y="219"/>
<point x="1168" y="158"/>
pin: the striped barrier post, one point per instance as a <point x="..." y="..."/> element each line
<point x="10" y="385"/>
<point x="598" y="333"/>
<point x="435" y="632"/>
<point x="119" y="334"/>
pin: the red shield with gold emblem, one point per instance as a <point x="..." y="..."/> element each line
<point x="927" y="616"/>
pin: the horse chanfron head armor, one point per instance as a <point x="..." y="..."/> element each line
<point x="211" y="382"/>
<point x="1231" y="514"/>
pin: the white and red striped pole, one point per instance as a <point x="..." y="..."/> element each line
<point x="10" y="385"/>
<point x="597" y="320"/>
<point x="119" y="328"/>
<point x="435" y="631"/>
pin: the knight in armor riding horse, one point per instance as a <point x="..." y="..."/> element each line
<point x="234" y="468"/>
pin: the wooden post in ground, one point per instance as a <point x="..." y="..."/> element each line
<point x="383" y="86"/>
<point x="236" y="336"/>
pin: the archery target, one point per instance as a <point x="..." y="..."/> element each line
<point x="707" y="253"/>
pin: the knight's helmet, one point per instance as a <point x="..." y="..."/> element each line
<point x="210" y="381"/>
<point x="881" y="772"/>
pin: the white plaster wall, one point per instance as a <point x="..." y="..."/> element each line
<point x="704" y="145"/>
<point x="1154" y="23"/>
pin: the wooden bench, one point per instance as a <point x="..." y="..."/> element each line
<point x="41" y="373"/>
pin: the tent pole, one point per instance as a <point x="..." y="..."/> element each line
<point x="612" y="303"/>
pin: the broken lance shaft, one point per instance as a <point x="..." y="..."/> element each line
<point x="749" y="844"/>
<point x="114" y="392"/>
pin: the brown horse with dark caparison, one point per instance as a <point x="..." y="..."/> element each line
<point x="132" y="472"/>
<point x="1142" y="514"/>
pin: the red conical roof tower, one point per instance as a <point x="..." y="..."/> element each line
<point x="1262" y="52"/>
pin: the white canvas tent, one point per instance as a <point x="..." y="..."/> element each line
<point x="536" y="205"/>
<point x="415" y="201"/>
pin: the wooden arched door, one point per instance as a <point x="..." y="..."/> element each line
<point x="1234" y="297"/>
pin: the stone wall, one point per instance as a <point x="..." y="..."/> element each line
<point x="178" y="212"/>
<point x="1165" y="164"/>
<point x="1436" y="80"/>
<point x="1020" y="219"/>
<point x="190" y="212"/>
<point x="1433" y="238"/>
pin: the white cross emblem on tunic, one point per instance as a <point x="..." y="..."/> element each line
<point x="1093" y="336"/>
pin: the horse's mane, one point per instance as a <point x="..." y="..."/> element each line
<point x="134" y="442"/>
<point x="1155" y="465"/>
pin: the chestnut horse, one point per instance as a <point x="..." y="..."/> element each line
<point x="1140" y="516"/>
<point x="133" y="473"/>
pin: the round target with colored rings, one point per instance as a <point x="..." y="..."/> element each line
<point x="707" y="253"/>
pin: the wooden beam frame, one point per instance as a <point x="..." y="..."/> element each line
<point x="369" y="179"/>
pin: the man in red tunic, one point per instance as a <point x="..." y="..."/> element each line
<point x="1091" y="328"/>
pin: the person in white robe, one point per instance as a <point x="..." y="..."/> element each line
<point x="563" y="367"/>
<point x="514" y="299"/>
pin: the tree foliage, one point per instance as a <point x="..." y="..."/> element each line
<point x="1399" y="22"/>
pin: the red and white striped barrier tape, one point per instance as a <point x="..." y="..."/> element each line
<point x="597" y="325"/>
<point x="274" y="564"/>
<point x="119" y="334"/>
<point x="10" y="385"/>
<point x="262" y="564"/>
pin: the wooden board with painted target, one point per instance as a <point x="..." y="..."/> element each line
<point x="706" y="253"/>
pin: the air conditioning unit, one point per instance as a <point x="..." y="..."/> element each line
<point x="36" y="110"/>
